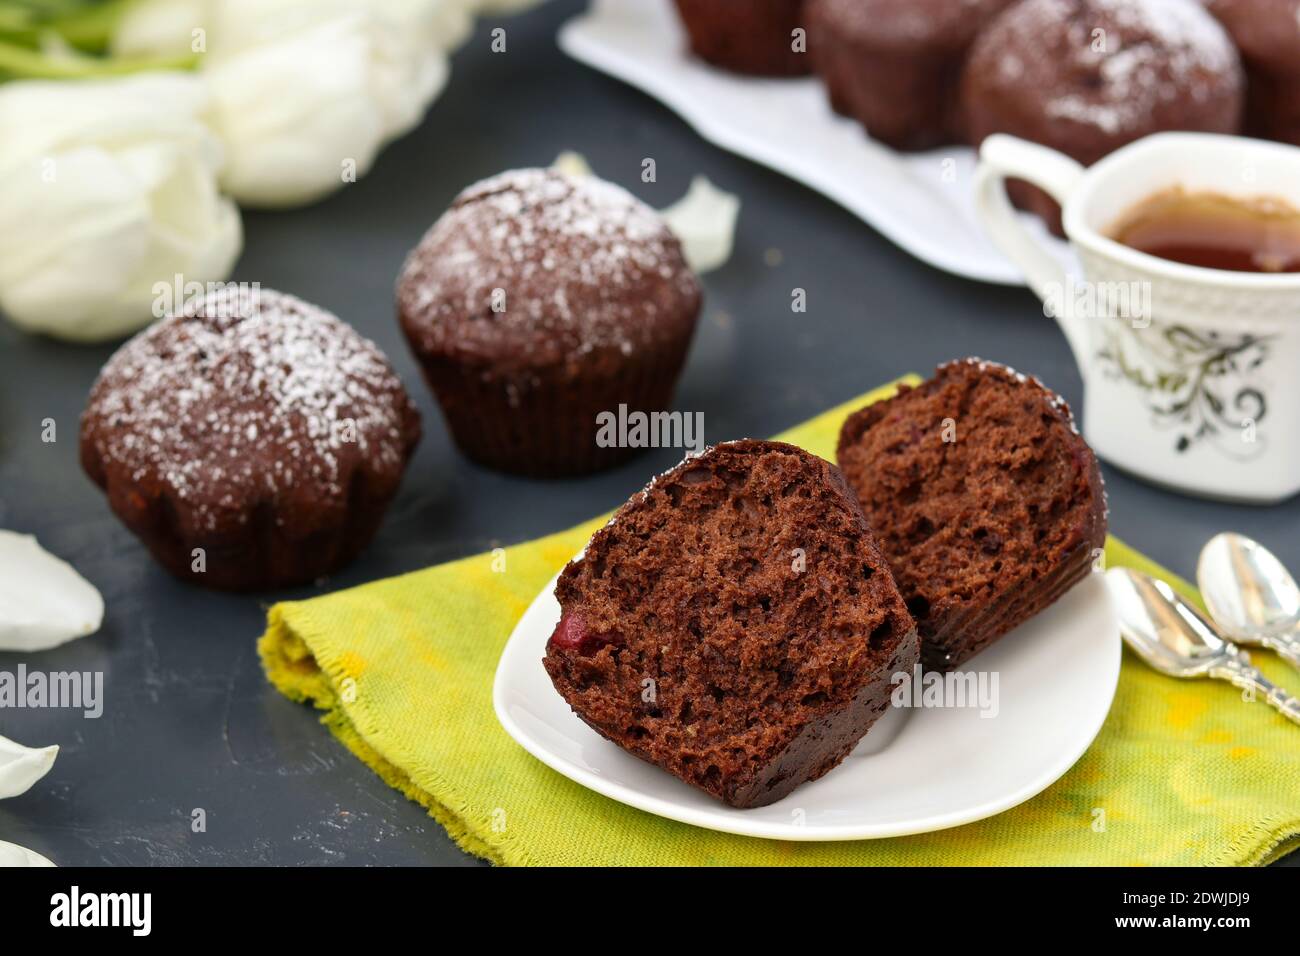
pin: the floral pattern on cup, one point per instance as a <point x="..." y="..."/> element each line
<point x="1200" y="385"/>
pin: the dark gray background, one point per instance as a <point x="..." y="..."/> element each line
<point x="189" y="719"/>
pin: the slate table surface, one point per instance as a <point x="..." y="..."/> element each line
<point x="189" y="722"/>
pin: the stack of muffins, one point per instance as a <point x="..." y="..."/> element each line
<point x="1084" y="77"/>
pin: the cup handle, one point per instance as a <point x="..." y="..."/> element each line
<point x="1002" y="157"/>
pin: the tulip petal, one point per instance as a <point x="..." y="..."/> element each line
<point x="705" y="222"/>
<point x="44" y="602"/>
<point x="21" y="767"/>
<point x="11" y="854"/>
<point x="296" y="146"/>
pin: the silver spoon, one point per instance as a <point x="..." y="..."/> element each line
<point x="1171" y="635"/>
<point x="1251" y="595"/>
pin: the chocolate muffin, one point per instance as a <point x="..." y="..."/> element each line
<point x="1267" y="32"/>
<point x="750" y="36"/>
<point x="250" y="441"/>
<point x="538" y="301"/>
<point x="1086" y="77"/>
<point x="986" y="501"/>
<point x="894" y="65"/>
<point x="734" y="624"/>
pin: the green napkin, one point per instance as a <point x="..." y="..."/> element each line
<point x="1183" y="772"/>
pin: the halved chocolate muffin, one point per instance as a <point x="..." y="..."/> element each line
<point x="983" y="496"/>
<point x="734" y="623"/>
<point x="536" y="303"/>
<point x="251" y="440"/>
<point x="751" y="36"/>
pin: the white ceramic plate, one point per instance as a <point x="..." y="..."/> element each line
<point x="923" y="202"/>
<point x="917" y="770"/>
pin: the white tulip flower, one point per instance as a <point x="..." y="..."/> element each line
<point x="161" y="28"/>
<point x="412" y="74"/>
<point x="407" y="40"/>
<point x="307" y="91"/>
<point x="106" y="188"/>
<point x="297" y="116"/>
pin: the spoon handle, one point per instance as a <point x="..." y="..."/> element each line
<point x="1239" y="672"/>
<point x="1286" y="645"/>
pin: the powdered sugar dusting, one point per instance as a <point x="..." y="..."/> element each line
<point x="1111" y="64"/>
<point x="248" y="397"/>
<point x="543" y="266"/>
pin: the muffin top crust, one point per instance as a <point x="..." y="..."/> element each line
<point x="906" y="26"/>
<point x="247" y="397"/>
<point x="534" y="267"/>
<point x="1112" y="66"/>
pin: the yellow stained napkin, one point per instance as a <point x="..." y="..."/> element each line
<point x="1183" y="772"/>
